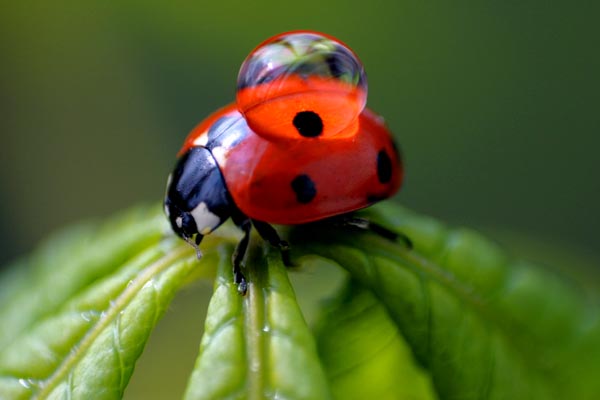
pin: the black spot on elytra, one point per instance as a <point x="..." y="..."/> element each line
<point x="384" y="167"/>
<point x="308" y="123"/>
<point x="304" y="188"/>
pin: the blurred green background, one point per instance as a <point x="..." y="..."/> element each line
<point x="496" y="104"/>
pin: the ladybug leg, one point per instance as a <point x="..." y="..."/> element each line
<point x="238" y="256"/>
<point x="365" y="224"/>
<point x="268" y="233"/>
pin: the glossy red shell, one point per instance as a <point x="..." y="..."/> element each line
<point x="278" y="170"/>
<point x="337" y="103"/>
<point x="258" y="172"/>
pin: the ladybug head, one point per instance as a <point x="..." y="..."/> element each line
<point x="196" y="200"/>
<point x="301" y="84"/>
<point x="182" y="222"/>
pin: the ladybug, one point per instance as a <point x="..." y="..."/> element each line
<point x="297" y="146"/>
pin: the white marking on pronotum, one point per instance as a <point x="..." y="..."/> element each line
<point x="205" y="220"/>
<point x="179" y="222"/>
<point x="220" y="155"/>
<point x="201" y="140"/>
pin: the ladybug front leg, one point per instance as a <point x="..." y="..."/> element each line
<point x="268" y="233"/>
<point x="238" y="257"/>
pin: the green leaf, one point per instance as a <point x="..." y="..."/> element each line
<point x="363" y="353"/>
<point x="257" y="346"/>
<point x="68" y="263"/>
<point x="483" y="324"/>
<point x="479" y="323"/>
<point x="95" y="297"/>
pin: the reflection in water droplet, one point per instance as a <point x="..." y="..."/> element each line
<point x="25" y="383"/>
<point x="29" y="383"/>
<point x="90" y="315"/>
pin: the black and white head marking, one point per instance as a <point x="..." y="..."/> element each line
<point x="205" y="220"/>
<point x="197" y="201"/>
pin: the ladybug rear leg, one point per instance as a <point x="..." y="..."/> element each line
<point x="238" y="257"/>
<point x="268" y="233"/>
<point x="365" y="224"/>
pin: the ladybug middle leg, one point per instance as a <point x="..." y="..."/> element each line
<point x="367" y="225"/>
<point x="268" y="233"/>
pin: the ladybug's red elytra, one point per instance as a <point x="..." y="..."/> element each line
<point x="297" y="146"/>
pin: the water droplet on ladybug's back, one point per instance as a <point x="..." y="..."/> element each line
<point x="301" y="85"/>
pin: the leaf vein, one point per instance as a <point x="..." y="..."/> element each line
<point x="117" y="306"/>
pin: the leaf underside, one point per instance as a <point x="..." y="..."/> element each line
<point x="456" y="317"/>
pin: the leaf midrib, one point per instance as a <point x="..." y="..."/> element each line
<point x="119" y="304"/>
<point x="254" y="310"/>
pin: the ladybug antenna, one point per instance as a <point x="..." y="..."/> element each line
<point x="194" y="245"/>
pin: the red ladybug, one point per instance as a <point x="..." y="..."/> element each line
<point x="297" y="146"/>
